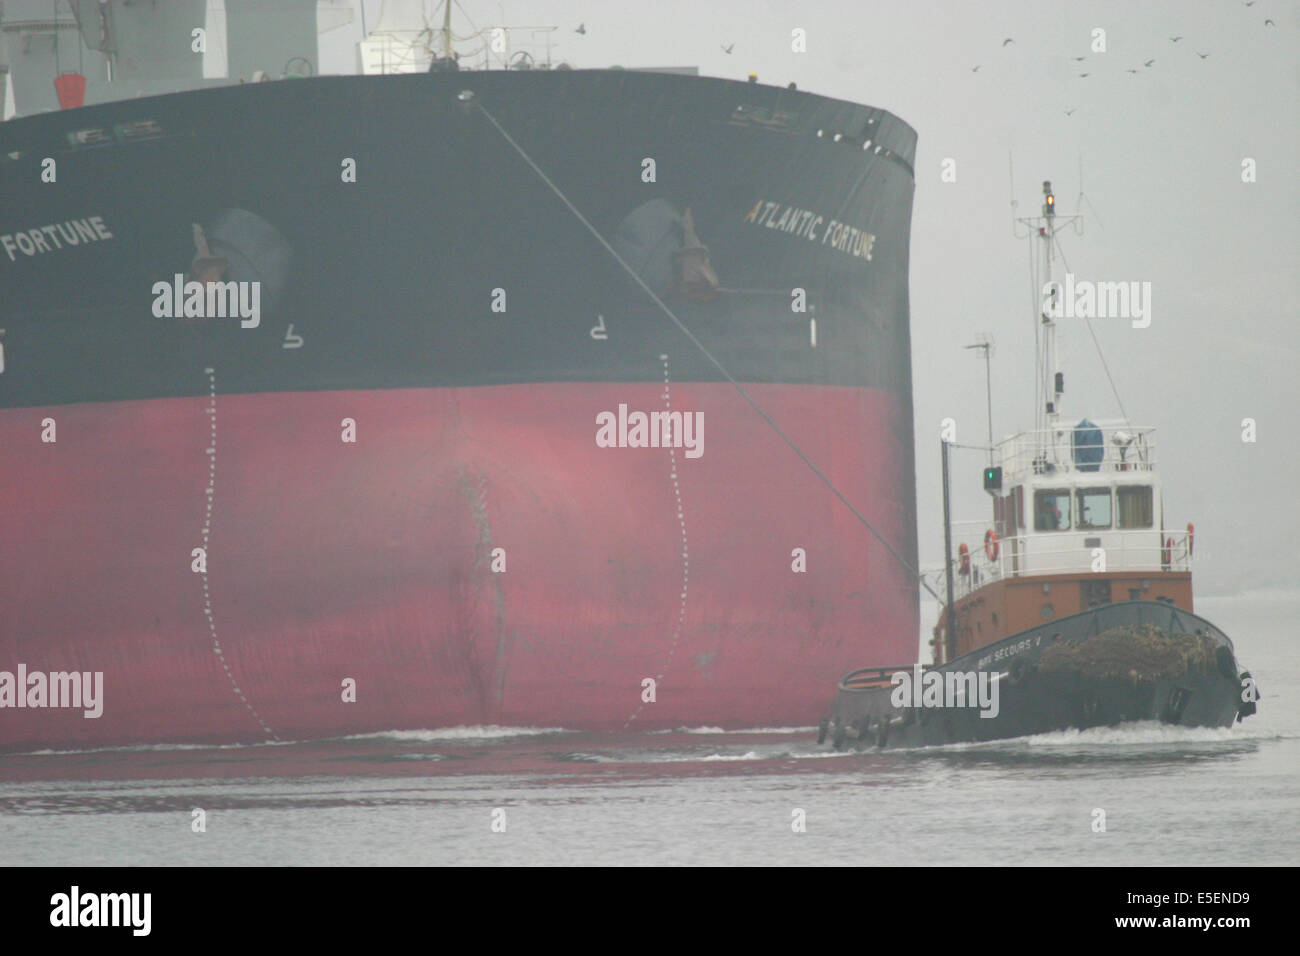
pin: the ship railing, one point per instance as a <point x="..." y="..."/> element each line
<point x="510" y="48"/>
<point x="1121" y="448"/>
<point x="1146" y="550"/>
<point x="491" y="48"/>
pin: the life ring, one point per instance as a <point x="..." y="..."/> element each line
<point x="1191" y="537"/>
<point x="990" y="545"/>
<point x="963" y="554"/>
<point x="1166" y="554"/>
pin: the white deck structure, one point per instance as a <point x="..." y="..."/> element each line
<point x="1074" y="499"/>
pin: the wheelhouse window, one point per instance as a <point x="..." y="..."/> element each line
<point x="1094" y="508"/>
<point x="1052" y="510"/>
<point x="1134" y="505"/>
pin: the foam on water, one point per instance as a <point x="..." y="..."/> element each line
<point x="1141" y="732"/>
<point x="486" y="732"/>
<point x="1147" y="733"/>
<point x="144" y="748"/>
<point x="716" y="731"/>
<point x="636" y="755"/>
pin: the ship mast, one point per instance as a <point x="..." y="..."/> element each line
<point x="1056" y="381"/>
<point x="446" y="29"/>
<point x="1049" y="379"/>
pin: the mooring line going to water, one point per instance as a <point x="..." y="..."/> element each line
<point x="469" y="98"/>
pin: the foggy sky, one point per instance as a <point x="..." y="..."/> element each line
<point x="1161" y="153"/>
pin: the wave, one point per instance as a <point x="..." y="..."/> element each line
<point x="144" y="748"/>
<point x="747" y="730"/>
<point x="1135" y="734"/>
<point x="485" y="732"/>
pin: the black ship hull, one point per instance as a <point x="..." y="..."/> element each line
<point x="237" y="518"/>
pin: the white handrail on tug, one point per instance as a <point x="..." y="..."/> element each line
<point x="1048" y="451"/>
<point x="1147" y="550"/>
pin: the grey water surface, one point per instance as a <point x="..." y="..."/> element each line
<point x="492" y="796"/>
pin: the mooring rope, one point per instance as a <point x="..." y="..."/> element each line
<point x="523" y="154"/>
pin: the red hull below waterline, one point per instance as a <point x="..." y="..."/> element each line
<point x="376" y="561"/>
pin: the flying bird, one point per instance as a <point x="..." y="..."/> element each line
<point x="1269" y="23"/>
<point x="1174" y="39"/>
<point x="1078" y="59"/>
<point x="1202" y="55"/>
<point x="1085" y="74"/>
<point x="1130" y="71"/>
<point x="976" y="69"/>
<point x="1071" y="112"/>
<point x="582" y="28"/>
<point x="728" y="48"/>
<point x="1008" y="40"/>
<point x="1250" y="3"/>
<point x="1148" y="63"/>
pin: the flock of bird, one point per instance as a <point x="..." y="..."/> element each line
<point x="1010" y="41"/>
<point x="1132" y="71"/>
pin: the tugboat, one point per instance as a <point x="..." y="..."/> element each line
<point x="1075" y="610"/>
